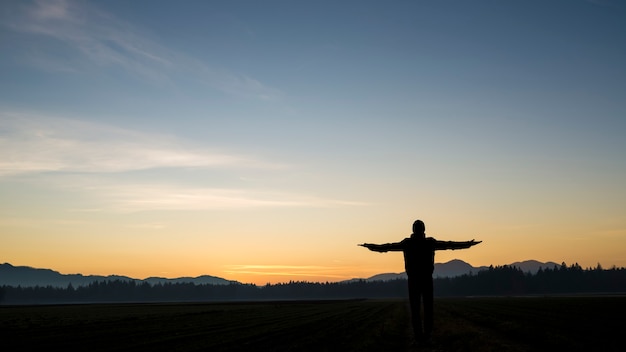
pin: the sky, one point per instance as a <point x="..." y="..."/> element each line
<point x="261" y="141"/>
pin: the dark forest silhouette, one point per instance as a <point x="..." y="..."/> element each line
<point x="495" y="281"/>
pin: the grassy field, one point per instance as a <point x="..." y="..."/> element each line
<point x="530" y="324"/>
<point x="472" y="324"/>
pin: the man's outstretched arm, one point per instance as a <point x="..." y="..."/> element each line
<point x="383" y="247"/>
<point x="455" y="245"/>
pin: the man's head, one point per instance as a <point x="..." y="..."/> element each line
<point x="419" y="228"/>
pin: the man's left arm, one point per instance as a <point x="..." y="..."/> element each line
<point x="382" y="248"/>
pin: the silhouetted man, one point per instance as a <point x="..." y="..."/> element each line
<point x="419" y="262"/>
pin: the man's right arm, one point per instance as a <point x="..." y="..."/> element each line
<point x="455" y="245"/>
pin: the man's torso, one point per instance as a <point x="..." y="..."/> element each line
<point x="419" y="256"/>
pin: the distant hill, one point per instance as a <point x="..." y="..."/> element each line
<point x="532" y="266"/>
<point x="458" y="267"/>
<point x="29" y="277"/>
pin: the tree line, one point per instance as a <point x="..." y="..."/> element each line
<point x="499" y="280"/>
<point x="510" y="280"/>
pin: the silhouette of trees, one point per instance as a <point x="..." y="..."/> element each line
<point x="508" y="280"/>
<point x="496" y="281"/>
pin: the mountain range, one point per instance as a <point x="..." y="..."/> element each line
<point x="458" y="267"/>
<point x="26" y="276"/>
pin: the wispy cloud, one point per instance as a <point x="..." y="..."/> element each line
<point x="121" y="197"/>
<point x="288" y="270"/>
<point x="34" y="144"/>
<point x="84" y="36"/>
<point x="83" y="157"/>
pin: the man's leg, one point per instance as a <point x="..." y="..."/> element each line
<point x="415" y="296"/>
<point x="429" y="315"/>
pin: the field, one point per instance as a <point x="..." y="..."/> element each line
<point x="469" y="324"/>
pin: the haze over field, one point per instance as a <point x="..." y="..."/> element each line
<point x="261" y="141"/>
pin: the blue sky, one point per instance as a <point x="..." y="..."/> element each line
<point x="192" y="129"/>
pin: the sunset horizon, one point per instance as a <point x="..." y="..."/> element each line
<point x="265" y="273"/>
